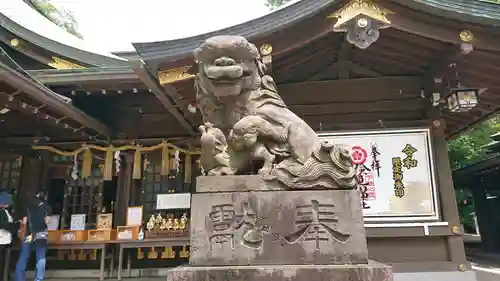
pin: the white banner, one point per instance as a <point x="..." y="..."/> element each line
<point x="395" y="172"/>
<point x="173" y="201"/>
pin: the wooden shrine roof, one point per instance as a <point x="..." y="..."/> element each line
<point x="473" y="11"/>
<point x="39" y="36"/>
<point x="308" y="56"/>
<point x="29" y="109"/>
<point x="324" y="79"/>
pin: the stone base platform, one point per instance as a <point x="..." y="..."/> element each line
<point x="360" y="272"/>
<point x="277" y="227"/>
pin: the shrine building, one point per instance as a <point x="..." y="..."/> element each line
<point x="114" y="140"/>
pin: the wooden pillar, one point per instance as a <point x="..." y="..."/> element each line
<point x="447" y="199"/>
<point x="31" y="179"/>
<point x="123" y="193"/>
<point x="46" y="158"/>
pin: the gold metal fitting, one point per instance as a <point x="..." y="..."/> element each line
<point x="436" y="123"/>
<point x="266" y="49"/>
<point x="462" y="267"/>
<point x="14" y="42"/>
<point x="455" y="229"/>
<point x="466" y="36"/>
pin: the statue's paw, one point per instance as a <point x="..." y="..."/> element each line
<point x="264" y="171"/>
<point x="202" y="129"/>
<point x="221" y="171"/>
<point x="226" y="171"/>
<point x="213" y="172"/>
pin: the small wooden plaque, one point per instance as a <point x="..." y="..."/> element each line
<point x="73" y="235"/>
<point x="102" y="234"/>
<point x="104" y="221"/>
<point x="127" y="232"/>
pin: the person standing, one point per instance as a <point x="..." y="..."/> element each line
<point x="37" y="216"/>
<point x="6" y="221"/>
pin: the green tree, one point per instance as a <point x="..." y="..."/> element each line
<point x="273" y="4"/>
<point x="468" y="147"/>
<point x="63" y="18"/>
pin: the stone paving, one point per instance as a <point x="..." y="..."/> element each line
<point x="486" y="266"/>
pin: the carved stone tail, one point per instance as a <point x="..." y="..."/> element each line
<point x="328" y="168"/>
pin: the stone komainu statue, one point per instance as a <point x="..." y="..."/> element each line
<point x="246" y="119"/>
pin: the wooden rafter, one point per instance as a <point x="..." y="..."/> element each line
<point x="12" y="148"/>
<point x="322" y="122"/>
<point x="344" y="67"/>
<point x="440" y="69"/>
<point x="52" y="100"/>
<point x="85" y="76"/>
<point x="38" y="112"/>
<point x="443" y="33"/>
<point x="12" y="103"/>
<point x="411" y="104"/>
<point x="166" y="100"/>
<point x="352" y="90"/>
<point x="344" y="54"/>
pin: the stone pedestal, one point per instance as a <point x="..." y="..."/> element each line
<point x="277" y="227"/>
<point x="362" y="272"/>
<point x="244" y="229"/>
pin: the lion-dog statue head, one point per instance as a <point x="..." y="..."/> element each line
<point x="227" y="66"/>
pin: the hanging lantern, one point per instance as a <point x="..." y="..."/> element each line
<point x="462" y="99"/>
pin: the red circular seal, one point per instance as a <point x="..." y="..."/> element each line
<point x="358" y="155"/>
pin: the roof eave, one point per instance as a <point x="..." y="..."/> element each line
<point x="59" y="48"/>
<point x="172" y="50"/>
<point x="45" y="95"/>
<point x="95" y="74"/>
<point x="473" y="11"/>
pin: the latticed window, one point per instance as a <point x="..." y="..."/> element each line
<point x="154" y="183"/>
<point x="10" y="171"/>
<point x="84" y="196"/>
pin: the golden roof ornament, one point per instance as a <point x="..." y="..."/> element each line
<point x="59" y="63"/>
<point x="14" y="42"/>
<point x="266" y="49"/>
<point x="175" y="74"/>
<point x="466" y="36"/>
<point x="361" y="20"/>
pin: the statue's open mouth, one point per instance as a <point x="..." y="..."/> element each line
<point x="226" y="75"/>
<point x="225" y="81"/>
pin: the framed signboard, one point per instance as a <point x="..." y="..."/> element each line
<point x="173" y="201"/>
<point x="395" y="173"/>
<point x="78" y="222"/>
<point x="134" y="215"/>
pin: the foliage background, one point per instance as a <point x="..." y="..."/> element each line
<point x="467" y="149"/>
<point x="63" y="18"/>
